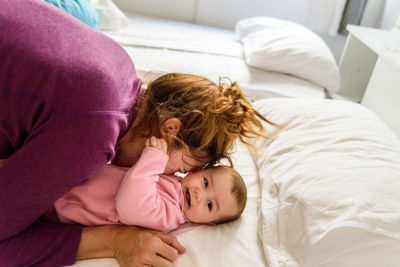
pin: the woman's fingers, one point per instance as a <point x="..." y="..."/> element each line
<point x="172" y="241"/>
<point x="137" y="246"/>
<point x="165" y="246"/>
<point x="167" y="250"/>
<point x="159" y="261"/>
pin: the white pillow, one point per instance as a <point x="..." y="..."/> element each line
<point x="330" y="185"/>
<point x="111" y="17"/>
<point x="283" y="46"/>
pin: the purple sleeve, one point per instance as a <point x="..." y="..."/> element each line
<point x="62" y="239"/>
<point x="66" y="95"/>
<point x="31" y="179"/>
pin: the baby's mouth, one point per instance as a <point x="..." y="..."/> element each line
<point x="187" y="195"/>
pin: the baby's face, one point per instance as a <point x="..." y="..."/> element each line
<point x="207" y="196"/>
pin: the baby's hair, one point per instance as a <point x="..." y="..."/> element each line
<point x="213" y="116"/>
<point x="239" y="193"/>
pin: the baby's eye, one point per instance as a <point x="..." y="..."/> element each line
<point x="209" y="205"/>
<point x="205" y="182"/>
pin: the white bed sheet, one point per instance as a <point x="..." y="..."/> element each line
<point x="160" y="46"/>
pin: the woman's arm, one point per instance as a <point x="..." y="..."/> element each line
<point x="41" y="245"/>
<point x="35" y="176"/>
<point x="130" y="245"/>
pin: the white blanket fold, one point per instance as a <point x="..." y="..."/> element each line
<point x="332" y="175"/>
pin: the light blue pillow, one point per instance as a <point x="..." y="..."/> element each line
<point x="80" y="9"/>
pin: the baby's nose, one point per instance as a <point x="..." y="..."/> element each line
<point x="198" y="194"/>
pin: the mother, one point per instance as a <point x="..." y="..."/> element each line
<point x="70" y="101"/>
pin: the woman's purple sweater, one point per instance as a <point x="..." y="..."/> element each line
<point x="66" y="95"/>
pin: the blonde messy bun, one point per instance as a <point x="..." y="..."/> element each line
<point x="213" y="116"/>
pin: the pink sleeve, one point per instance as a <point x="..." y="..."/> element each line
<point x="138" y="201"/>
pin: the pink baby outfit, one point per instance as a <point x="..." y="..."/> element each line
<point x="139" y="196"/>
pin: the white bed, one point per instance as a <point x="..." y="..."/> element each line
<point x="322" y="192"/>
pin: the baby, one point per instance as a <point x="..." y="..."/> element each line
<point x="143" y="196"/>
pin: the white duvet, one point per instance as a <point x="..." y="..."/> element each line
<point x="330" y="185"/>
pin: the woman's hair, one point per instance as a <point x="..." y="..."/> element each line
<point x="213" y="115"/>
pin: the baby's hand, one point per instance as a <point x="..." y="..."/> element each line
<point x="158" y="143"/>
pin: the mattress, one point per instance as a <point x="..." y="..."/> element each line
<point x="160" y="46"/>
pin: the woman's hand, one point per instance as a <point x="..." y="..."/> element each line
<point x="147" y="247"/>
<point x="158" y="143"/>
<point x="130" y="245"/>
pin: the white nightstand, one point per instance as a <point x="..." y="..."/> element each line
<point x="370" y="72"/>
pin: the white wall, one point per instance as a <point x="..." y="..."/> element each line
<point x="218" y="13"/>
<point x="181" y="10"/>
<point x="225" y="13"/>
<point x="381" y="13"/>
<point x="373" y="13"/>
<point x="390" y="14"/>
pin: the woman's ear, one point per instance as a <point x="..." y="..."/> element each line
<point x="171" y="127"/>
